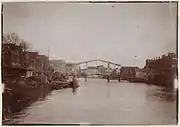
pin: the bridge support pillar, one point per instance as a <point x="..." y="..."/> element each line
<point x="86" y="79"/>
<point x="108" y="78"/>
<point x="119" y="79"/>
<point x="108" y="72"/>
<point x="86" y="71"/>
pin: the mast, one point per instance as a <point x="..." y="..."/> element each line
<point x="48" y="51"/>
<point x="48" y="58"/>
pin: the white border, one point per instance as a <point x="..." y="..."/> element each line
<point x="77" y="0"/>
<point x="94" y="1"/>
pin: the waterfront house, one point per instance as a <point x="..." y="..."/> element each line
<point x="16" y="62"/>
<point x="127" y="71"/>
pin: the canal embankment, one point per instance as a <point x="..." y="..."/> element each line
<point x="22" y="92"/>
<point x="100" y="102"/>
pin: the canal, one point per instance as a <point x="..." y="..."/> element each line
<point x="99" y="102"/>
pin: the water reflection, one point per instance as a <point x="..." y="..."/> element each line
<point x="164" y="94"/>
<point x="106" y="103"/>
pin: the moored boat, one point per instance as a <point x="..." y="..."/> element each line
<point x="61" y="84"/>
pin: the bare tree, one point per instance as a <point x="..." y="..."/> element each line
<point x="11" y="38"/>
<point x="25" y="46"/>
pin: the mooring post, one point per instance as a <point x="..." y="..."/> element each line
<point x="86" y="78"/>
<point x="86" y="72"/>
<point x="108" y="72"/>
<point x="119" y="79"/>
<point x="108" y="79"/>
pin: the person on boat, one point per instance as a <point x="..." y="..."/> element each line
<point x="74" y="84"/>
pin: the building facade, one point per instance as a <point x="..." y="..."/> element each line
<point x="140" y="74"/>
<point x="162" y="70"/>
<point x="165" y="61"/>
<point x="12" y="56"/>
<point x="16" y="62"/>
<point x="59" y="65"/>
<point x="101" y="69"/>
<point x="127" y="72"/>
<point x="42" y="63"/>
<point x="30" y="59"/>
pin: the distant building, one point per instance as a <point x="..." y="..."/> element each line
<point x="39" y="64"/>
<point x="165" y="61"/>
<point x="101" y="69"/>
<point x="30" y="59"/>
<point x="71" y="68"/>
<point x="30" y="62"/>
<point x="140" y="74"/>
<point x="126" y="72"/>
<point x="58" y="65"/>
<point x="42" y="63"/>
<point x="45" y="61"/>
<point x="92" y="70"/>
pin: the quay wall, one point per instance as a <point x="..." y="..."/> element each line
<point x="22" y="93"/>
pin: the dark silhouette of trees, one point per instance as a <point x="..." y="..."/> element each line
<point x="25" y="46"/>
<point x="13" y="38"/>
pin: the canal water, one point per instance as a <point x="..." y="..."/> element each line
<point x="99" y="102"/>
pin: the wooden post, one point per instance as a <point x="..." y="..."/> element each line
<point x="108" y="78"/>
<point x="119" y="79"/>
<point x="108" y="72"/>
<point x="86" y="72"/>
<point x="86" y="78"/>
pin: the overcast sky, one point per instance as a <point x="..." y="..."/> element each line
<point x="79" y="32"/>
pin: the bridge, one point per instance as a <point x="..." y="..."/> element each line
<point x="108" y="74"/>
<point x="96" y="60"/>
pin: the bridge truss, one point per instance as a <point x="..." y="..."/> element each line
<point x="99" y="60"/>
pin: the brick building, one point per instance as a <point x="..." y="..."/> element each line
<point x="12" y="56"/>
<point x="14" y="61"/>
<point x="162" y="70"/>
<point x="30" y="59"/>
<point x="165" y="61"/>
<point x="127" y="72"/>
<point x="17" y="63"/>
<point x="42" y="63"/>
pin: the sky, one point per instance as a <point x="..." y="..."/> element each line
<point x="125" y="33"/>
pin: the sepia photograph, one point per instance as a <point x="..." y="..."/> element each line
<point x="89" y="63"/>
